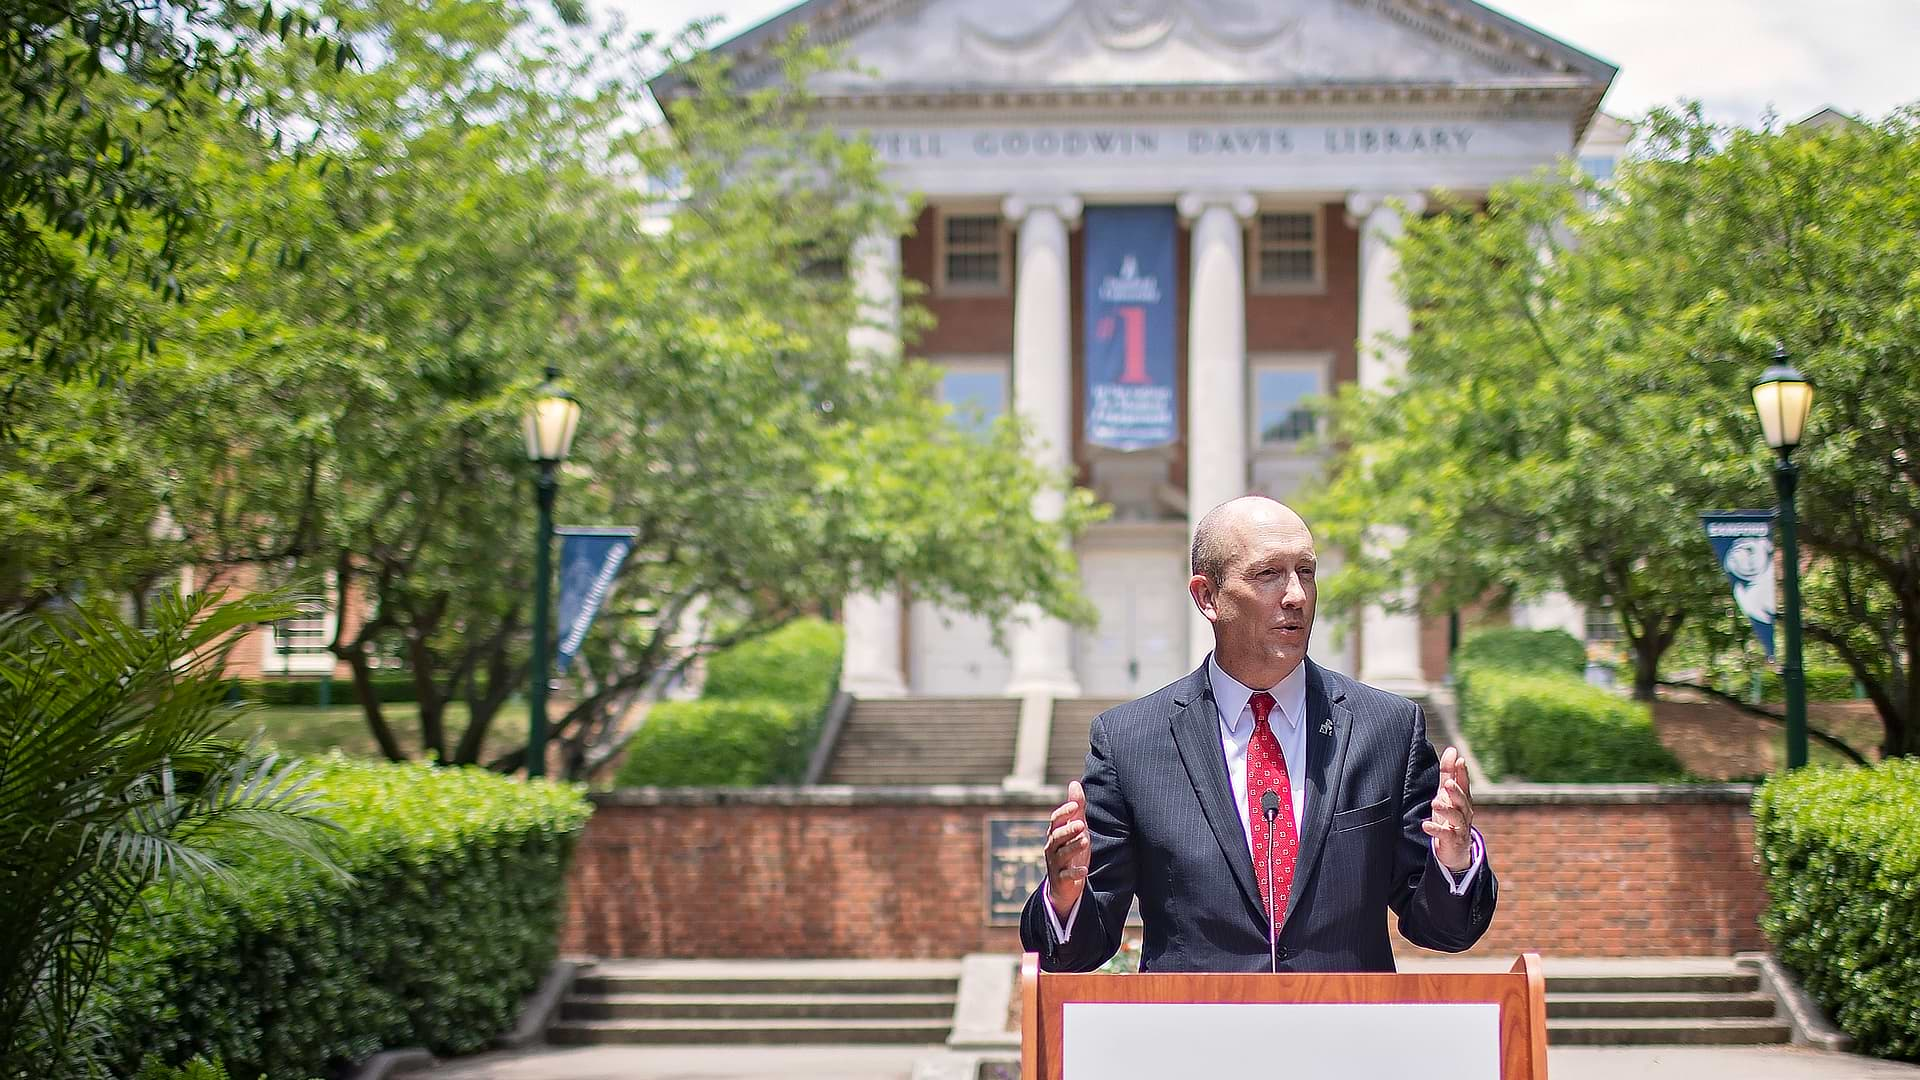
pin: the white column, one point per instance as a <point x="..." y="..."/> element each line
<point x="1043" y="398"/>
<point x="1217" y="446"/>
<point x="872" y="666"/>
<point x="1389" y="641"/>
<point x="1383" y="310"/>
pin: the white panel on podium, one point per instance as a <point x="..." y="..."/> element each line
<point x="1443" y="1041"/>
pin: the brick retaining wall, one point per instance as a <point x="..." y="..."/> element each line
<point x="840" y="872"/>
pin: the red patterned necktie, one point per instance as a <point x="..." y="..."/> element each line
<point x="1267" y="771"/>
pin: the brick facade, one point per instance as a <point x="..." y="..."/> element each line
<point x="250" y="658"/>
<point x="1324" y="320"/>
<point x="962" y="325"/>
<point x="899" y="873"/>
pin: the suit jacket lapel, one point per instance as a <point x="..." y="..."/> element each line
<point x="1329" y="728"/>
<point x="1196" y="733"/>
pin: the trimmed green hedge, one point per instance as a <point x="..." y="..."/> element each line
<point x="305" y="691"/>
<point x="1842" y="855"/>
<point x="1557" y="729"/>
<point x="451" y="918"/>
<point x="757" y="718"/>
<point x="741" y="743"/>
<point x="1538" y="651"/>
<point x="1825" y="682"/>
<point x="798" y="664"/>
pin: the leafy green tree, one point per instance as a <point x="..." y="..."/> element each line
<point x="1576" y="390"/>
<point x="116" y="775"/>
<point x="344" y="402"/>
<point x="91" y="193"/>
<point x="80" y="497"/>
<point x="1520" y="450"/>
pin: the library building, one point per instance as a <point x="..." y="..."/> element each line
<point x="1155" y="228"/>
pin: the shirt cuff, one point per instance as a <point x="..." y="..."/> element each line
<point x="1457" y="884"/>
<point x="1060" y="931"/>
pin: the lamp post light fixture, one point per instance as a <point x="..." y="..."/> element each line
<point x="1783" y="397"/>
<point x="549" y="428"/>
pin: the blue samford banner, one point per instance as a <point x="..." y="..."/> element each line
<point x="590" y="559"/>
<point x="1129" y="283"/>
<point x="1743" y="543"/>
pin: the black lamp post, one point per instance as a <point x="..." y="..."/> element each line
<point x="549" y="428"/>
<point x="1783" y="397"/>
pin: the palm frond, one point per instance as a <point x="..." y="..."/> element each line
<point x="117" y="775"/>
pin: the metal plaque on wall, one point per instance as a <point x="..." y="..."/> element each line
<point x="1016" y="865"/>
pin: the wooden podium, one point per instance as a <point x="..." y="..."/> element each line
<point x="1520" y="994"/>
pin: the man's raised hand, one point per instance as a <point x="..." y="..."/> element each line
<point x="1069" y="851"/>
<point x="1451" y="825"/>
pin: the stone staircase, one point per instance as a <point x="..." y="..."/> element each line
<point x="789" y="1002"/>
<point x="891" y="741"/>
<point x="1067" y="748"/>
<point x="1716" y="1006"/>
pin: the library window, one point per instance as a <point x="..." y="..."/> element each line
<point x="973" y="253"/>
<point x="1286" y="250"/>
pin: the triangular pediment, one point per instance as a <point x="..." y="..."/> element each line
<point x="933" y="46"/>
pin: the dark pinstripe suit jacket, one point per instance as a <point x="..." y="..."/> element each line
<point x="1165" y="829"/>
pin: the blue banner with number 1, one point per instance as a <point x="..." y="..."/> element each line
<point x="1129" y="331"/>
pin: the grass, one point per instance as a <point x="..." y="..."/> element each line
<point x="313" y="731"/>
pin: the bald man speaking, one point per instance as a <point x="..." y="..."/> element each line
<point x="1261" y="791"/>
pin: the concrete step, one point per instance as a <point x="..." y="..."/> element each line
<point x="1654" y="983"/>
<point x="926" y="741"/>
<point x="760" y="1032"/>
<point x="915" y="773"/>
<point x="873" y="751"/>
<point x="890" y="741"/>
<point x="881" y="743"/>
<point x="1654" y="1032"/>
<point x="766" y="982"/>
<point x="760" y="1006"/>
<point x="948" y="757"/>
<point x="1668" y="1006"/>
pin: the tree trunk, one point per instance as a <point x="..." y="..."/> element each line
<point x="370" y="705"/>
<point x="483" y="706"/>
<point x="1650" y="640"/>
<point x="433" y="728"/>
<point x="480" y="713"/>
<point x="1646" y="668"/>
<point x="1900" y="739"/>
<point x="1903" y="734"/>
<point x="1893" y="690"/>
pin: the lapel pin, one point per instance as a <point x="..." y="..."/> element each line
<point x="1326" y="726"/>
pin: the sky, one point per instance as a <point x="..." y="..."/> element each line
<point x="1739" y="57"/>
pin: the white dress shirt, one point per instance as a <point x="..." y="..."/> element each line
<point x="1288" y="721"/>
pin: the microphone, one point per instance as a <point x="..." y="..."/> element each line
<point x="1270" y="809"/>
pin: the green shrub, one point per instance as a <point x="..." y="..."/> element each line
<point x="1825" y="682"/>
<point x="1537" y="651"/>
<point x="1530" y="652"/>
<point x="1556" y="729"/>
<point x="1842" y="855"/>
<point x="305" y="691"/>
<point x="737" y="743"/>
<point x="797" y="664"/>
<point x="197" y="1069"/>
<point x="757" y="718"/>
<point x="451" y="918"/>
